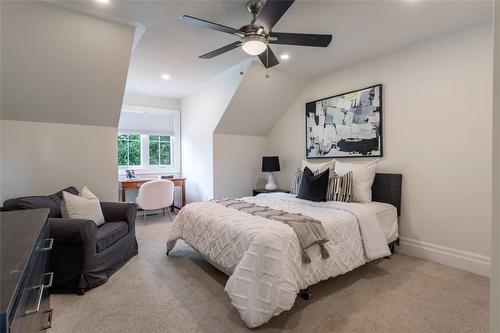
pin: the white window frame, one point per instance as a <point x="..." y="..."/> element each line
<point x="175" y="145"/>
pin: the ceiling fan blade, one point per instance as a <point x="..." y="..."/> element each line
<point x="300" y="39"/>
<point x="221" y="50"/>
<point x="268" y="58"/>
<point x="271" y="13"/>
<point x="207" y="24"/>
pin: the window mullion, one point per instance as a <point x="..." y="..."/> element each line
<point x="145" y="151"/>
<point x="171" y="151"/>
<point x="128" y="151"/>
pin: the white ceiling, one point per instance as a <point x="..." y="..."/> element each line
<point x="361" y="29"/>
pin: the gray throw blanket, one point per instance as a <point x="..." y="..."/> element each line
<point x="309" y="231"/>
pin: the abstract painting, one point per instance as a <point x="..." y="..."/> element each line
<point x="346" y="125"/>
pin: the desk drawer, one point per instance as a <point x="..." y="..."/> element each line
<point x="33" y="312"/>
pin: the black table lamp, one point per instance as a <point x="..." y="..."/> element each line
<point x="270" y="164"/>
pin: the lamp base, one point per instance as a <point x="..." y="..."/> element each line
<point x="271" y="184"/>
<point x="271" y="187"/>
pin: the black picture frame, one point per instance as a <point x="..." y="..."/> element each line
<point x="309" y="106"/>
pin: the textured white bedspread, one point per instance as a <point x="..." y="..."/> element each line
<point x="263" y="257"/>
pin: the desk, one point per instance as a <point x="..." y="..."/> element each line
<point x="135" y="183"/>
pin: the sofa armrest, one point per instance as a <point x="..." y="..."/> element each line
<point x="74" y="231"/>
<point x="120" y="211"/>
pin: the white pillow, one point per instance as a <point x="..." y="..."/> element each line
<point x="85" y="193"/>
<point x="318" y="168"/>
<point x="362" y="178"/>
<point x="86" y="206"/>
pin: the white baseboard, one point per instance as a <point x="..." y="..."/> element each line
<point x="466" y="261"/>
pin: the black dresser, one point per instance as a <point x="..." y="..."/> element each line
<point x="25" y="282"/>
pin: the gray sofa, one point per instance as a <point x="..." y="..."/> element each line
<point x="84" y="256"/>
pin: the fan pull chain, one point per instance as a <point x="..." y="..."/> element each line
<point x="241" y="61"/>
<point x="267" y="62"/>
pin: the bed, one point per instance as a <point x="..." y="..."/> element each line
<point x="263" y="258"/>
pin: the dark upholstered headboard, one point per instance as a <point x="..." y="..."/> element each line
<point x="387" y="188"/>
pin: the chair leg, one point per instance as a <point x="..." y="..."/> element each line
<point x="169" y="215"/>
<point x="163" y="211"/>
<point x="144" y="213"/>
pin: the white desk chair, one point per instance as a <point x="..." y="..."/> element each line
<point x="156" y="194"/>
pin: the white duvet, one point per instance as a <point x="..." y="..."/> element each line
<point x="263" y="258"/>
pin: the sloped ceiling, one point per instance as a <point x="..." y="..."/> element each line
<point x="61" y="66"/>
<point x="362" y="29"/>
<point x="259" y="102"/>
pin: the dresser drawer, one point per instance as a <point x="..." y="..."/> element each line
<point x="33" y="312"/>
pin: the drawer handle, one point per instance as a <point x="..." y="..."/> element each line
<point x="51" y="279"/>
<point x="38" y="302"/>
<point x="49" y="320"/>
<point x="50" y="241"/>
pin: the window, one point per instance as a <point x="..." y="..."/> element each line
<point x="145" y="151"/>
<point x="149" y="140"/>
<point x="129" y="150"/>
<point x="159" y="150"/>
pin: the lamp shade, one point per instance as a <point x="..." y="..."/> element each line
<point x="270" y="163"/>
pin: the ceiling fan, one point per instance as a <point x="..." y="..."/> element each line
<point x="255" y="37"/>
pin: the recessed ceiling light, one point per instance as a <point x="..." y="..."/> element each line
<point x="103" y="1"/>
<point x="284" y="56"/>
<point x="165" y="77"/>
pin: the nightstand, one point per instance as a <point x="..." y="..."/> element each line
<point x="262" y="190"/>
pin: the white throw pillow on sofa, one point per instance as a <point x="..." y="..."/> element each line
<point x="362" y="176"/>
<point x="318" y="168"/>
<point x="86" y="206"/>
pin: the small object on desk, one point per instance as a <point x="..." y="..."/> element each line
<point x="263" y="190"/>
<point x="167" y="176"/>
<point x="130" y="174"/>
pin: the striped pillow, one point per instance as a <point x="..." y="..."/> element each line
<point x="340" y="188"/>
<point x="296" y="180"/>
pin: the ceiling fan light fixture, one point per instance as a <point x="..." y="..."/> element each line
<point x="254" y="44"/>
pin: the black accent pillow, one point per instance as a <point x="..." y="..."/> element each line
<point x="313" y="188"/>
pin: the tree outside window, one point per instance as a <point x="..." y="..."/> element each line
<point x="159" y="150"/>
<point x="129" y="150"/>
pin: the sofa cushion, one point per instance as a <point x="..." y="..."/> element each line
<point x="85" y="206"/>
<point x="53" y="202"/>
<point x="109" y="233"/>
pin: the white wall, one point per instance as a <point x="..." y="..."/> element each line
<point x="42" y="158"/>
<point x="62" y="74"/>
<point x="237" y="164"/>
<point x="259" y="102"/>
<point x="201" y="112"/>
<point x="224" y="128"/>
<point x="437" y="133"/>
<point x="495" y="228"/>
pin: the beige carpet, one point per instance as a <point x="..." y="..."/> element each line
<point x="183" y="293"/>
